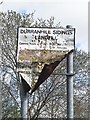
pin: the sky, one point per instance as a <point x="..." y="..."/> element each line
<point x="67" y="12"/>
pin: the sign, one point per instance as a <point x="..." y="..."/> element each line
<point x="38" y="46"/>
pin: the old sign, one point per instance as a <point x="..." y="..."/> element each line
<point x="38" y="46"/>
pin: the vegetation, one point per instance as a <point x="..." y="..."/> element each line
<point x="49" y="100"/>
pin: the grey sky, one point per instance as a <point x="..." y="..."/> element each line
<point x="74" y="13"/>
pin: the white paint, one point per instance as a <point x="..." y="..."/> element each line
<point x="54" y="39"/>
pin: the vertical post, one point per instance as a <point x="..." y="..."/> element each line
<point x="88" y="85"/>
<point x="89" y="60"/>
<point x="70" y="85"/>
<point x="1" y="74"/>
<point x="24" y="101"/>
<point x="0" y="97"/>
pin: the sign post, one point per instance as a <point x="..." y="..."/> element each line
<point x="88" y="61"/>
<point x="70" y="75"/>
<point x="70" y="86"/>
<point x="24" y="100"/>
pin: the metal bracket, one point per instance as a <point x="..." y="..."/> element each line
<point x="70" y="74"/>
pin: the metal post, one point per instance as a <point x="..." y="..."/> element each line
<point x="70" y="85"/>
<point x="24" y="102"/>
<point x="1" y="74"/>
<point x="89" y="85"/>
<point x="0" y="81"/>
<point x="1" y="97"/>
<point x="89" y="60"/>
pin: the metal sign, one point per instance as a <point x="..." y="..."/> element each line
<point x="39" y="46"/>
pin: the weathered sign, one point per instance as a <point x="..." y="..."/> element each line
<point x="37" y="46"/>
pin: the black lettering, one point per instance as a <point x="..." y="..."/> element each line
<point x="68" y="32"/>
<point x="52" y="38"/>
<point x="44" y="31"/>
<point x="49" y="32"/>
<point x="38" y="37"/>
<point x="63" y="32"/>
<point x="35" y="37"/>
<point x="42" y="37"/>
<point x="48" y="37"/>
<point x="21" y="31"/>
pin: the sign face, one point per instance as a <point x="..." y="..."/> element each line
<point x="38" y="44"/>
<point x="44" y="38"/>
<point x="42" y="45"/>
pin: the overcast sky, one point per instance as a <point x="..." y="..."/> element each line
<point x="68" y="12"/>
